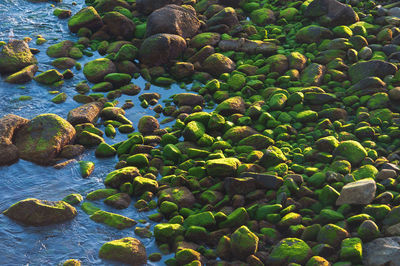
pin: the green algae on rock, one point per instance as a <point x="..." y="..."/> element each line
<point x="112" y="219"/>
<point x="126" y="250"/>
<point x="15" y="56"/>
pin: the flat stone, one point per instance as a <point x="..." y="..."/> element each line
<point x="359" y="192"/>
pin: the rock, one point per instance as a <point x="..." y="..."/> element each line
<point x="63" y="63"/>
<point x="351" y="150"/>
<point x="289" y="250"/>
<point x="40" y="212"/>
<point x="86" y="168"/>
<point x="382" y="251"/>
<point x="186" y="255"/>
<point x="313" y="34"/>
<point x="217" y="64"/>
<point x="112" y="219"/>
<point x="257" y="141"/>
<point x="222" y="167"/>
<point x="193" y="131"/>
<point x="262" y="16"/>
<point x="173" y="19"/>
<point x="168" y="232"/>
<point x="367" y="86"/>
<point x="96" y="70"/>
<point x="313" y="74"/>
<point x="14" y="56"/>
<point x="160" y="48"/>
<point x="127" y="250"/>
<point x="73" y="199"/>
<point x="72" y="262"/>
<point x="248" y="46"/>
<point x="373" y="68"/>
<point x="243" y="243"/>
<point x="87" y="138"/>
<point x="23" y="76"/>
<point x="143" y="184"/>
<point x="72" y="151"/>
<point x="203" y="219"/>
<point x="361" y="192"/>
<point x="264" y="180"/>
<point x="86" y="113"/>
<point x="9" y="124"/>
<point x="118" y="177"/>
<point x="190" y="99"/>
<point x="239" y="132"/>
<point x="148" y="6"/>
<point x="105" y="150"/>
<point x="332" y="235"/>
<point x="118" y="201"/>
<point x="351" y="250"/>
<point x="85" y="18"/>
<point x="42" y="138"/>
<point x="182" y="196"/>
<point x="331" y="12"/>
<point x="118" y="25"/>
<point x="226" y="16"/>
<point x="62" y="13"/>
<point x="61" y="49"/>
<point x="147" y="125"/>
<point x="182" y="70"/>
<point x="205" y="38"/>
<point x="49" y="77"/>
<point x="368" y="231"/>
<point x="103" y="6"/>
<point x="101" y="193"/>
<point x="233" y="105"/>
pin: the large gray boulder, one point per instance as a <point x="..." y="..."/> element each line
<point x="40" y="212"/>
<point x="173" y="19"/>
<point x="15" y="56"/>
<point x="361" y="192"/>
<point x="42" y="138"/>
<point x="382" y="251"/>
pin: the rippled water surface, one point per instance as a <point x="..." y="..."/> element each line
<point x="80" y="238"/>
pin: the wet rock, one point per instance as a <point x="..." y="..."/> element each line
<point x="313" y="74"/>
<point x="23" y="76"/>
<point x="86" y="113"/>
<point x="15" y="56"/>
<point x="217" y="64"/>
<point x="226" y="16"/>
<point x="248" y="46"/>
<point x="382" y="251"/>
<point x="40" y="212"/>
<point x="173" y="19"/>
<point x="160" y="48"/>
<point x="148" y="124"/>
<point x="61" y="49"/>
<point x="182" y="70"/>
<point x="118" y="177"/>
<point x="222" y="167"/>
<point x="103" y="6"/>
<point x="290" y="250"/>
<point x="63" y="63"/>
<point x="186" y="255"/>
<point x="231" y="106"/>
<point x="373" y="68"/>
<point x="148" y="6"/>
<point x="313" y="33"/>
<point x="85" y="18"/>
<point x="49" y="77"/>
<point x="72" y="151"/>
<point x="112" y="219"/>
<point x="73" y="199"/>
<point x="96" y="70"/>
<point x="331" y="12"/>
<point x="190" y="99"/>
<point x="181" y="196"/>
<point x="72" y="262"/>
<point x="361" y="192"/>
<point x="119" y="25"/>
<point x="42" y="138"/>
<point x="118" y="201"/>
<point x="127" y="250"/>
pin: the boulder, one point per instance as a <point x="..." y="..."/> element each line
<point x="313" y="34"/>
<point x="49" y="77"/>
<point x="160" y="48"/>
<point x="118" y="177"/>
<point x="181" y="196"/>
<point x="61" y="49"/>
<point x="23" y="76"/>
<point x="226" y="16"/>
<point x="217" y="64"/>
<point x="173" y="19"/>
<point x="86" y="113"/>
<point x="234" y="105"/>
<point x="248" y="46"/>
<point x="331" y="13"/>
<point x="112" y="219"/>
<point x="373" y="68"/>
<point x="96" y="70"/>
<point x="190" y="99"/>
<point x="243" y="243"/>
<point x="222" y="167"/>
<point x="15" y="56"/>
<point x="290" y="250"/>
<point x="119" y="25"/>
<point x="40" y="212"/>
<point x="313" y="74"/>
<point x="351" y="150"/>
<point x="148" y="124"/>
<point x="361" y="192"/>
<point x="127" y="250"/>
<point x="42" y="138"/>
<point x="148" y="6"/>
<point x="382" y="251"/>
<point x="85" y="18"/>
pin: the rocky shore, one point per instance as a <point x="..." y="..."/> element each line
<point x="285" y="152"/>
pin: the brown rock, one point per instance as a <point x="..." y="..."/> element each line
<point x="86" y="113"/>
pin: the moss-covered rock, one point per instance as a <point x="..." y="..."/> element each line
<point x="40" y="212"/>
<point x="290" y="250"/>
<point x="231" y="106"/>
<point x="332" y="235"/>
<point x="217" y="64"/>
<point x="96" y="70"/>
<point x="101" y="193"/>
<point x="166" y="233"/>
<point x="85" y="18"/>
<point x="22" y="76"/>
<point x="86" y="168"/>
<point x="49" y="77"/>
<point x="243" y="243"/>
<point x="105" y="150"/>
<point x="73" y="199"/>
<point x="127" y="250"/>
<point x="351" y="250"/>
<point x="262" y="16"/>
<point x="205" y="38"/>
<point x="112" y="219"/>
<point x="352" y="151"/>
<point x="193" y="131"/>
<point x="118" y="201"/>
<point x="15" y="56"/>
<point x="143" y="184"/>
<point x="222" y="167"/>
<point x="118" y="177"/>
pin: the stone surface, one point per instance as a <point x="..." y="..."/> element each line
<point x="86" y="113"/>
<point x="15" y="56"/>
<point x="40" y="212"/>
<point x="42" y="138"/>
<point x="361" y="192"/>
<point x="382" y="251"/>
<point x="127" y="250"/>
<point x="331" y="12"/>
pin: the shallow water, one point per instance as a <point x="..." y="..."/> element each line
<point x="80" y="238"/>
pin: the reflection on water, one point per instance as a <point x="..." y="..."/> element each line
<point x="80" y="238"/>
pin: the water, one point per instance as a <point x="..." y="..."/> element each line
<point x="80" y="238"/>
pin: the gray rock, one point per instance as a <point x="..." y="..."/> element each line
<point x="359" y="192"/>
<point x="264" y="180"/>
<point x="331" y="12"/>
<point x="386" y="173"/>
<point x="373" y="68"/>
<point x="382" y="251"/>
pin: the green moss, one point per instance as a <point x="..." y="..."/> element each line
<point x="222" y="167"/>
<point x="168" y="232"/>
<point x="351" y="250"/>
<point x="204" y="219"/>
<point x="127" y="250"/>
<point x="351" y="150"/>
<point x="290" y="250"/>
<point x="112" y="219"/>
<point x="73" y="198"/>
